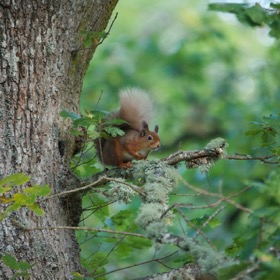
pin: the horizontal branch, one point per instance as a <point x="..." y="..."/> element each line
<point x="138" y="264"/>
<point x="199" y="156"/>
<point x="192" y="155"/>
<point x="193" y="159"/>
<point x="265" y="159"/>
<point x="99" y="182"/>
<point x="83" y="228"/>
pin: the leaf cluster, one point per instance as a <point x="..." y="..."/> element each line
<point x="90" y="38"/>
<point x="253" y="15"/>
<point x="89" y="131"/>
<point x="20" y="267"/>
<point x="25" y="198"/>
<point x="269" y="132"/>
<point x="257" y="246"/>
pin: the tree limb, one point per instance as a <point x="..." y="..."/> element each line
<point x="193" y="159"/>
<point x="80" y="228"/>
<point x="197" y="157"/>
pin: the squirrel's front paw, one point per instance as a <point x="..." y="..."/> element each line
<point x="125" y="164"/>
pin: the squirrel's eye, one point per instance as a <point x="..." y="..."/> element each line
<point x="150" y="137"/>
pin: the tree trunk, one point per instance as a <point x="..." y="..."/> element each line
<point x="42" y="63"/>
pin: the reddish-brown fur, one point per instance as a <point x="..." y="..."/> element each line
<point x="138" y="141"/>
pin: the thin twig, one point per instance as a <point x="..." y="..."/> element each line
<point x="213" y="205"/>
<point x="168" y="209"/>
<point x="99" y="99"/>
<point x="208" y="221"/>
<point x="134" y="188"/>
<point x="264" y="159"/>
<point x="94" y="184"/>
<point x="82" y="153"/>
<point x="220" y="196"/>
<point x="241" y="275"/>
<point x="106" y="34"/>
<point x="109" y="253"/>
<point x="95" y="208"/>
<point x="194" y="227"/>
<point x="83" y="228"/>
<point x="134" y="265"/>
<point x="109" y="30"/>
<point x="163" y="264"/>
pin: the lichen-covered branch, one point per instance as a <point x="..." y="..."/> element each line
<point x="214" y="150"/>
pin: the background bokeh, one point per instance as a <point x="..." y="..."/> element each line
<point x="209" y="76"/>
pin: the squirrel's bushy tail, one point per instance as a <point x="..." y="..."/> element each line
<point x="135" y="107"/>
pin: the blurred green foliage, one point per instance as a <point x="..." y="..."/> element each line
<point x="209" y="76"/>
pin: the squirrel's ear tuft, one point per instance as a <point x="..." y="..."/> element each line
<point x="145" y="126"/>
<point x="156" y="128"/>
<point x="142" y="132"/>
<point x="145" y="129"/>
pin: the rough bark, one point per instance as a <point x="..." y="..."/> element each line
<point x="42" y="64"/>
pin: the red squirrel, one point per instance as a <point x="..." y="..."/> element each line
<point x="136" y="110"/>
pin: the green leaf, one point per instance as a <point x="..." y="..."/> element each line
<point x="23" y="274"/>
<point x="234" y="249"/>
<point x="101" y="34"/>
<point x="88" y="42"/>
<point x="275" y="6"/>
<point x="13" y="207"/>
<point x="253" y="132"/>
<point x="101" y="205"/>
<point x="227" y="7"/>
<point x="76" y="132"/>
<point x="10" y="261"/>
<point x="93" y="135"/>
<point x="250" y="15"/>
<point x="198" y="222"/>
<point x="256" y="14"/>
<point x="266" y="212"/>
<point x="95" y="261"/>
<point x="37" y="190"/>
<point x="6" y="200"/>
<point x="138" y="243"/>
<point x="36" y="209"/>
<point x="77" y="276"/>
<point x="84" y="121"/>
<point x="24" y="266"/>
<point x="66" y="114"/>
<point x="215" y="222"/>
<point x="114" y="131"/>
<point x="14" y="180"/>
<point x="4" y="189"/>
<point x="276" y="151"/>
<point x="23" y="199"/>
<point x="99" y="114"/>
<point x="275" y="29"/>
<point x="91" y="36"/>
<point x="104" y="135"/>
<point x="231" y="271"/>
<point x="115" y="122"/>
<point x="122" y="217"/>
